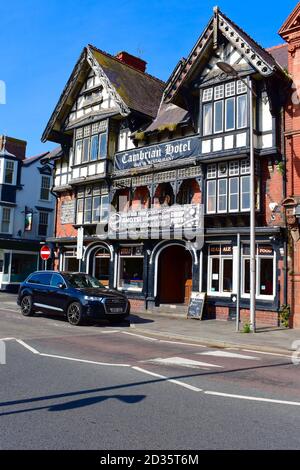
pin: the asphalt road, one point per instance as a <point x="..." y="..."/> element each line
<point x="109" y="387"/>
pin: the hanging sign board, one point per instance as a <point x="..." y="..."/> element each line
<point x="196" y="305"/>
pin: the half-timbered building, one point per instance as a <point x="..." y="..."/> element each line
<point x="168" y="151"/>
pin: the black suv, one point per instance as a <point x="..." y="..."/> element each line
<point x="79" y="296"/>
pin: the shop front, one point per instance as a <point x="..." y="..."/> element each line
<point x="16" y="264"/>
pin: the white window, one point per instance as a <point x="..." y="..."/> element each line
<point x="45" y="188"/>
<point x="234" y="168"/>
<point x="211" y="171"/>
<point x="79" y="216"/>
<point x="207" y="94"/>
<point x="78" y="152"/>
<point x="245" y="167"/>
<point x="241" y="111"/>
<point x="6" y="219"/>
<point x="230" y="89"/>
<point x="241" y="87"/>
<point x="218" y="116"/>
<point x="265" y="271"/>
<point x="131" y="267"/>
<point x="207" y="119"/>
<point x="233" y="194"/>
<point x="219" y="92"/>
<point x="230" y="114"/>
<point x="9" y="172"/>
<point x="222" y="195"/>
<point x="245" y="193"/>
<point x="220" y="270"/>
<point x="211" y="196"/>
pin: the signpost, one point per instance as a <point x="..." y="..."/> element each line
<point x="45" y="254"/>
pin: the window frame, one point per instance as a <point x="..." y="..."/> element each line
<point x="258" y="258"/>
<point x="221" y="257"/>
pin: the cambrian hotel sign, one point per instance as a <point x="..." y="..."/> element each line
<point x="154" y="154"/>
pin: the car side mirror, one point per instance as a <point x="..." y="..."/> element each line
<point x="61" y="286"/>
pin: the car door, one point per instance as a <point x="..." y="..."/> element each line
<point x="58" y="298"/>
<point x="40" y="286"/>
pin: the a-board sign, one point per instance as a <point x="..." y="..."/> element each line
<point x="196" y="305"/>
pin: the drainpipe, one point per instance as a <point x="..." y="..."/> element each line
<point x="285" y="245"/>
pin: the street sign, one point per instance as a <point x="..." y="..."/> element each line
<point x="45" y="252"/>
<point x="196" y="305"/>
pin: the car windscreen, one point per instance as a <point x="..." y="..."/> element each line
<point x="81" y="281"/>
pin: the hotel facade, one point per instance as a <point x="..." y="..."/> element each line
<point x="167" y="155"/>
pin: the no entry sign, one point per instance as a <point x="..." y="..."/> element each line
<point x="45" y="252"/>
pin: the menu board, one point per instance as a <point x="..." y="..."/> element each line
<point x="196" y="305"/>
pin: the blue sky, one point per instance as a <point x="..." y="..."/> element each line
<point x="42" y="39"/>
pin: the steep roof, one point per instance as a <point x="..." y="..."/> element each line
<point x="168" y="115"/>
<point x="28" y="161"/>
<point x="131" y="88"/>
<point x="139" y="90"/>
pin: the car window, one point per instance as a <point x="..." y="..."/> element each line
<point x="56" y="280"/>
<point x="45" y="279"/>
<point x="81" y="281"/>
<point x="35" y="279"/>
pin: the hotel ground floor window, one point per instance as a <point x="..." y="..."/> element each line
<point x="131" y="266"/>
<point x="265" y="271"/>
<point x="71" y="263"/>
<point x="220" y="270"/>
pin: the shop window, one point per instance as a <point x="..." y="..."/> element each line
<point x="265" y="271"/>
<point x="220" y="270"/>
<point x="131" y="265"/>
<point x="101" y="266"/>
<point x="71" y="263"/>
<point x="22" y="264"/>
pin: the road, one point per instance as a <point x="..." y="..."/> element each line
<point x="111" y="387"/>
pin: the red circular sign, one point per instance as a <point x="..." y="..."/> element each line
<point x="45" y="252"/>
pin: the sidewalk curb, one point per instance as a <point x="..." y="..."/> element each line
<point x="214" y="343"/>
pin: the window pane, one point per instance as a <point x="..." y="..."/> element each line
<point x="218" y="120"/>
<point x="78" y="152"/>
<point x="211" y="196"/>
<point x="94" y="147"/>
<point x="234" y="194"/>
<point x="229" y="114"/>
<point x="222" y="195"/>
<point x="102" y="145"/>
<point x="5" y="223"/>
<point x="207" y="119"/>
<point x="96" y="209"/>
<point x="104" y="207"/>
<point x="45" y="188"/>
<point x="79" y="211"/>
<point x="85" y="156"/>
<point x="266" y="276"/>
<point x="227" y="275"/>
<point x="9" y="172"/>
<point x="245" y="193"/>
<point x="215" y="269"/>
<point x="241" y="111"/>
<point x="207" y="94"/>
<point x="131" y="273"/>
<point x="88" y="210"/>
<point x="247" y="276"/>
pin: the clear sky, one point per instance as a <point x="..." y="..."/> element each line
<point x="42" y="39"/>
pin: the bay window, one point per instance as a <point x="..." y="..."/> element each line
<point x="228" y="187"/>
<point x="9" y="172"/>
<point x="224" y="108"/>
<point x="91" y="143"/>
<point x="92" y="205"/>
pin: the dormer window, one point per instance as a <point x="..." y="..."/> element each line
<point x="224" y="108"/>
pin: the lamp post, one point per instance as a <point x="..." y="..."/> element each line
<point x="230" y="71"/>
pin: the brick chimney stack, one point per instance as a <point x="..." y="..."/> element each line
<point x="15" y="146"/>
<point x="132" y="60"/>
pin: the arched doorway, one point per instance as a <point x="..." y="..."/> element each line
<point x="174" y="280"/>
<point x="101" y="265"/>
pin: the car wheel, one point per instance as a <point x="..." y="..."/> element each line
<point x="26" y="306"/>
<point x="74" y="314"/>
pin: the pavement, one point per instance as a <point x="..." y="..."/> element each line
<point x="212" y="333"/>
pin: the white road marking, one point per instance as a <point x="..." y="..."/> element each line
<point x="181" y="361"/>
<point x="176" y="382"/>
<point x="267" y="353"/>
<point x="184" y="344"/>
<point x="139" y="336"/>
<point x="227" y="354"/>
<point x="244" y="397"/>
<point x="7" y="339"/>
<point x="34" y="351"/>
<point x="109" y="331"/>
<point x="84" y="360"/>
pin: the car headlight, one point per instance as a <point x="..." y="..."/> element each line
<point x="96" y="299"/>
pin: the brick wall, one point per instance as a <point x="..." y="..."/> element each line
<point x="263" y="318"/>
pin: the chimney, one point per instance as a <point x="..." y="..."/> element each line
<point x="15" y="146"/>
<point x="132" y="60"/>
